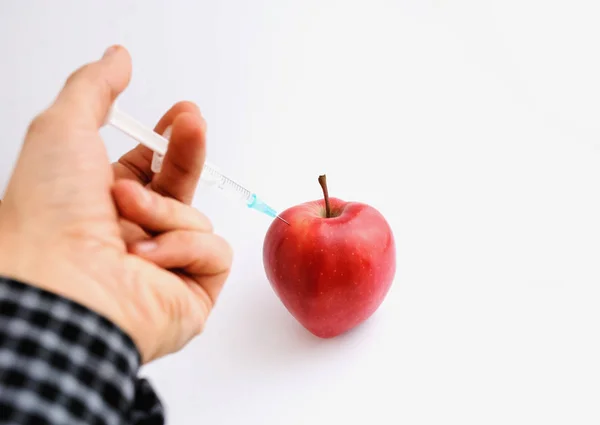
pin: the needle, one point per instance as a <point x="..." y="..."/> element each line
<point x="283" y="220"/>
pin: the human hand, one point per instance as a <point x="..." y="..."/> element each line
<point x="116" y="239"/>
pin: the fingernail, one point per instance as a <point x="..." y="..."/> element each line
<point x="111" y="50"/>
<point x="145" y="246"/>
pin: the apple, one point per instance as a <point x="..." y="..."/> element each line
<point x="330" y="262"/>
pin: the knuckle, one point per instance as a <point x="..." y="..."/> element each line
<point x="226" y="251"/>
<point x="171" y="210"/>
<point x="50" y="123"/>
<point x="212" y="255"/>
<point x="78" y="74"/>
<point x="90" y="75"/>
<point x="158" y="187"/>
<point x="189" y="239"/>
<point x="156" y="206"/>
<point x="199" y="327"/>
<point x="185" y="215"/>
<point x="41" y="123"/>
<point x="141" y="174"/>
<point x="209" y="225"/>
<point x="202" y="221"/>
<point x="104" y="87"/>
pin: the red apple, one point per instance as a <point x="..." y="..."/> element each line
<point x="332" y="265"/>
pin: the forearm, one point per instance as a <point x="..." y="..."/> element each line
<point x="62" y="363"/>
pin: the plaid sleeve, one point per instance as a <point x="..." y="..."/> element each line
<point x="61" y="363"/>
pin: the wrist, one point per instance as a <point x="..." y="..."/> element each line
<point x="60" y="270"/>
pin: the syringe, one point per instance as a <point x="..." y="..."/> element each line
<point x="210" y="174"/>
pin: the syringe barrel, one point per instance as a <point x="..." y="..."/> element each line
<point x="158" y="144"/>
<point x="212" y="176"/>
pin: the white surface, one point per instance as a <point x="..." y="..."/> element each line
<point x="474" y="126"/>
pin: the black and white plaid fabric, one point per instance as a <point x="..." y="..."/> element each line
<point x="61" y="363"/>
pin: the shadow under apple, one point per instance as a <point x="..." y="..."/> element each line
<point x="273" y="338"/>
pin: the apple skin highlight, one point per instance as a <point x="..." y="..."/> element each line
<point x="331" y="273"/>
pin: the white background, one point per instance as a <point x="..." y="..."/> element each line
<point x="474" y="126"/>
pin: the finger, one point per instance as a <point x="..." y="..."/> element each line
<point x="197" y="253"/>
<point x="178" y="306"/>
<point x="135" y="164"/>
<point x="90" y="91"/>
<point x="131" y="232"/>
<point x="154" y="212"/>
<point x="206" y="256"/>
<point x="182" y="164"/>
<point x="179" y="108"/>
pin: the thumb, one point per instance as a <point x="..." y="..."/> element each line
<point x="63" y="141"/>
<point x="90" y="91"/>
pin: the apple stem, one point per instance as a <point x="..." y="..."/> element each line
<point x="323" y="183"/>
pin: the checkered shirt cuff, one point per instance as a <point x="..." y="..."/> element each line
<point x="61" y="363"/>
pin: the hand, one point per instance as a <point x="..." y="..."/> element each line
<point x="116" y="239"/>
